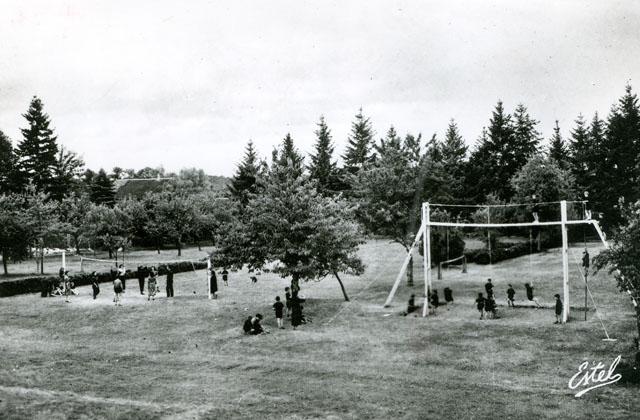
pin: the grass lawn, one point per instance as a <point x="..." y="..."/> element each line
<point x="186" y="357"/>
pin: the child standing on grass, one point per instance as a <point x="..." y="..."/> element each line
<point x="480" y="305"/>
<point x="117" y="289"/>
<point x="169" y="281"/>
<point x="152" y="284"/>
<point x="287" y="298"/>
<point x="122" y="276"/>
<point x="510" y="295"/>
<point x="94" y="284"/>
<point x="225" y="276"/>
<point x="278" y="307"/>
<point x="67" y="286"/>
<point x="558" y="309"/>
<point x="530" y="295"/>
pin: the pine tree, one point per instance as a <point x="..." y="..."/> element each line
<point x="243" y="183"/>
<point x="360" y="142"/>
<point x="619" y="170"/>
<point x="557" y="149"/>
<point x="322" y="168"/>
<point x="102" y="189"/>
<point x="7" y="165"/>
<point x="38" y="150"/>
<point x="66" y="174"/>
<point x="289" y="156"/>
<point x="581" y="151"/>
<point x="526" y="137"/>
<point x="454" y="153"/>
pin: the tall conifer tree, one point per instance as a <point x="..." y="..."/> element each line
<point x="359" y="145"/>
<point x="37" y="152"/>
<point x="322" y="167"/>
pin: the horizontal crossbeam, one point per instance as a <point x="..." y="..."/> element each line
<point x="501" y="225"/>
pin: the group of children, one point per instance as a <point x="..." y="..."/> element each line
<point x="488" y="305"/>
<point x="292" y="308"/>
<point x="434" y="301"/>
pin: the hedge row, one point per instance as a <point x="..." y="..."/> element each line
<point x="502" y="252"/>
<point x="37" y="284"/>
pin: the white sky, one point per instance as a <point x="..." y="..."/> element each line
<point x="184" y="84"/>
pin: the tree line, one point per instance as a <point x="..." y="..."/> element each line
<point x="306" y="215"/>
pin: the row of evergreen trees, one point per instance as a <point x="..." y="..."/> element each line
<point x="603" y="157"/>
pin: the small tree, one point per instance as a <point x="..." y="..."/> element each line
<point x="177" y="215"/>
<point x="8" y="165"/>
<point x="72" y="211"/>
<point x="307" y="236"/>
<point x="107" y="227"/>
<point x="41" y="221"/>
<point x="622" y="258"/>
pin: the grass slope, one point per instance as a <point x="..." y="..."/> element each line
<point x="186" y="358"/>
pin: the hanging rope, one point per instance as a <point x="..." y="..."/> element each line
<point x="590" y="294"/>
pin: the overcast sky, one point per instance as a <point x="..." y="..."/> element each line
<point x="187" y="84"/>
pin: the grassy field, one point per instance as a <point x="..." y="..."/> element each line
<point x="186" y="357"/>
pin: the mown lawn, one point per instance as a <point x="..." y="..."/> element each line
<point x="186" y="357"/>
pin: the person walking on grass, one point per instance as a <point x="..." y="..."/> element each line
<point x="480" y="302"/>
<point x="530" y="295"/>
<point x="278" y="308"/>
<point x="225" y="276"/>
<point x="95" y="287"/>
<point x="152" y="284"/>
<point x="141" y="274"/>
<point x="169" y="281"/>
<point x="117" y="289"/>
<point x="510" y="296"/>
<point x="558" y="309"/>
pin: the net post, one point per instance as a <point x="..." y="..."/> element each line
<point x="81" y="264"/>
<point x="426" y="257"/>
<point x="464" y="264"/>
<point x="209" y="276"/>
<point x="64" y="260"/>
<point x="565" y="261"/>
<point x="439" y="271"/>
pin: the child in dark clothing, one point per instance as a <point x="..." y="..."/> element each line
<point x="488" y="287"/>
<point x="278" y="307"/>
<point x="530" y="295"/>
<point x="256" y="326"/>
<point x="247" y="326"/>
<point x="448" y="295"/>
<point x="225" y="276"/>
<point x="435" y="300"/>
<point x="287" y="298"/>
<point x="94" y="285"/>
<point x="510" y="294"/>
<point x="411" y="306"/>
<point x="490" y="306"/>
<point x="480" y="305"/>
<point x="558" y="310"/>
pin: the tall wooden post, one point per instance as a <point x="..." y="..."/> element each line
<point x="64" y="260"/>
<point x="426" y="257"/>
<point x="209" y="276"/>
<point x="565" y="261"/>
